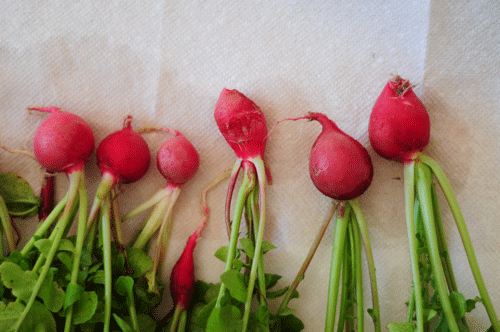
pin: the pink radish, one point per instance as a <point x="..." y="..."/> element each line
<point x="124" y="154"/>
<point x="243" y="125"/>
<point x="399" y="130"/>
<point x="178" y="161"/>
<point x="339" y="166"/>
<point x="399" y="124"/>
<point x="62" y="143"/>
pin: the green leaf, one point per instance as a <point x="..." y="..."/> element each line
<point x="21" y="282"/>
<point x="401" y="327"/>
<point x="277" y="293"/>
<point x="235" y="282"/>
<point x="203" y="315"/>
<point x="139" y="261"/>
<point x="98" y="277"/>
<point x="85" y="308"/>
<point x="73" y="293"/>
<point x="287" y="311"/>
<point x="272" y="280"/>
<point x="123" y="324"/>
<point x="124" y="285"/>
<point x="289" y="323"/>
<point x="221" y="253"/>
<point x="248" y="247"/>
<point x="226" y="318"/>
<point x="44" y="245"/>
<point x="458" y="305"/>
<point x="51" y="293"/>
<point x="470" y="304"/>
<point x="212" y="292"/>
<point x="18" y="195"/>
<point x="38" y="318"/>
<point x="266" y="246"/>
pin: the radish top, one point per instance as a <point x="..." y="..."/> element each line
<point x="124" y="154"/>
<point x="339" y="166"/>
<point x="63" y="142"/>
<point x="177" y="159"/>
<point x="242" y="124"/>
<point x="399" y="123"/>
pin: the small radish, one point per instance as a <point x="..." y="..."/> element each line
<point x="243" y="125"/>
<point x="399" y="124"/>
<point x="178" y="161"/>
<point x="62" y="143"/>
<point x="123" y="157"/>
<point x="341" y="168"/>
<point x="399" y="130"/>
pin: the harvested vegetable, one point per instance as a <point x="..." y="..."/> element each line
<point x="399" y="130"/>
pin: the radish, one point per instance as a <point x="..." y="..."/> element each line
<point x="62" y="143"/>
<point x="341" y="168"/>
<point x="244" y="127"/>
<point x="399" y="130"/>
<point x="178" y="161"/>
<point x="122" y="157"/>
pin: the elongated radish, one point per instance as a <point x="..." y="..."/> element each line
<point x="399" y="130"/>
<point x="178" y="161"/>
<point x="341" y="168"/>
<point x="244" y="127"/>
<point x="62" y="143"/>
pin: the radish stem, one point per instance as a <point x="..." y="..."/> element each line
<point x="336" y="265"/>
<point x="175" y="320"/>
<point x="160" y="194"/>
<point x="261" y="176"/>
<point x="232" y="182"/>
<point x="243" y="192"/>
<point x="423" y="182"/>
<point x="153" y="222"/>
<point x="7" y="226"/>
<point x="308" y="259"/>
<point x="464" y="234"/>
<point x="75" y="178"/>
<point x="358" y="273"/>
<point x="363" y="230"/>
<point x="80" y="238"/>
<point x="409" y="183"/>
<point x="106" y="247"/>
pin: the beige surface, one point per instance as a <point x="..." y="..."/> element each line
<point x="165" y="63"/>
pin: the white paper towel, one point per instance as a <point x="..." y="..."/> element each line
<point x="165" y="63"/>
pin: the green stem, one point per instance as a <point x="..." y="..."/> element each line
<point x="365" y="238"/>
<point x="261" y="176"/>
<point x="107" y="183"/>
<point x="182" y="322"/>
<point x="358" y="272"/>
<point x="45" y="226"/>
<point x="336" y="265"/>
<point x="346" y="282"/>
<point x="106" y="248"/>
<point x="443" y="247"/>
<point x="253" y="200"/>
<point x="162" y="239"/>
<point x="229" y="195"/>
<point x="409" y="183"/>
<point x="245" y="189"/>
<point x="424" y="180"/>
<point x="175" y="319"/>
<point x="80" y="239"/>
<point x="308" y="259"/>
<point x="411" y="306"/>
<point x="156" y="198"/>
<point x="75" y="178"/>
<point x="7" y="226"/>
<point x="464" y="234"/>
<point x="152" y="223"/>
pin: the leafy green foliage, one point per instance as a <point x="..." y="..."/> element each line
<point x="18" y="195"/>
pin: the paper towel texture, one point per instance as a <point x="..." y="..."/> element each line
<point x="165" y="63"/>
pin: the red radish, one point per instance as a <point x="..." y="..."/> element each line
<point x="124" y="154"/>
<point x="339" y="166"/>
<point x="177" y="159"/>
<point x="182" y="278"/>
<point x="63" y="142"/>
<point x="399" y="124"/>
<point x="242" y="124"/>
